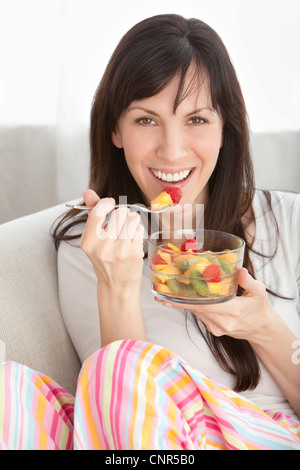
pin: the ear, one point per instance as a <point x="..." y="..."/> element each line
<point x="117" y="139"/>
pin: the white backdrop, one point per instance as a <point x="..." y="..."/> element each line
<point x="52" y="56"/>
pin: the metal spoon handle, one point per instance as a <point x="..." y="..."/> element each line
<point x="131" y="206"/>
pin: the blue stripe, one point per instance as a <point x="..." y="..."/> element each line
<point x="78" y="418"/>
<point x="268" y="427"/>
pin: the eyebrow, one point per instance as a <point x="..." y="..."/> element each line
<point x="195" y="111"/>
<point x="199" y="110"/>
<point x="139" y="108"/>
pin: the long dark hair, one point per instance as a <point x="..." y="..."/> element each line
<point x="148" y="57"/>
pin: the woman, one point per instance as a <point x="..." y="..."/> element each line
<point x="170" y="102"/>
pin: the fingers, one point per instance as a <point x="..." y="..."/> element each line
<point x="119" y="226"/>
<point x="249" y="284"/>
<point x="123" y="225"/>
<point x="116" y="223"/>
<point x="90" y="198"/>
<point x="101" y="207"/>
<point x="94" y="226"/>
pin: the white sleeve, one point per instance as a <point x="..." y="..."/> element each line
<point x="295" y="234"/>
<point x="77" y="284"/>
<point x="287" y="210"/>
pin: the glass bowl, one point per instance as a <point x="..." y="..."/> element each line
<point x="194" y="266"/>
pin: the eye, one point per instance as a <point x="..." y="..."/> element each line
<point x="197" y="120"/>
<point x="145" y="121"/>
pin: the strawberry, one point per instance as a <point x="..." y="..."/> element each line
<point x="189" y="244"/>
<point x="157" y="259"/>
<point x="174" y="193"/>
<point x="212" y="273"/>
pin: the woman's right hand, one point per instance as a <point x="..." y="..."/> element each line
<point x="116" y="253"/>
<point x="116" y="250"/>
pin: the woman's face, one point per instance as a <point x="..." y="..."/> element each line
<point x="166" y="149"/>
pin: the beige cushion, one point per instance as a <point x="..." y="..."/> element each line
<point x="31" y="326"/>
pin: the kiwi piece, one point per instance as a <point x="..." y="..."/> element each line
<point x="199" y="286"/>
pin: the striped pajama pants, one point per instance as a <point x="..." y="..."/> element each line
<point x="134" y="395"/>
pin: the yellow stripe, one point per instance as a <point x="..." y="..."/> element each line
<point x="40" y="413"/>
<point x="46" y="379"/>
<point x="64" y="436"/>
<point x="240" y="445"/>
<point x="209" y="397"/>
<point x="183" y="382"/>
<point x="192" y="410"/>
<point x="146" y="429"/>
<point x="63" y="401"/>
<point x="84" y="381"/>
<point x="239" y="401"/>
<point x="173" y="433"/>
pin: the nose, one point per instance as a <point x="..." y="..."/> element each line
<point x="172" y="144"/>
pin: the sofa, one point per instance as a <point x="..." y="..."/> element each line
<point x="32" y="329"/>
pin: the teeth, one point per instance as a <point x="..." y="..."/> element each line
<point x="170" y="177"/>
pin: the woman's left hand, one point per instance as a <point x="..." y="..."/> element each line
<point x="243" y="317"/>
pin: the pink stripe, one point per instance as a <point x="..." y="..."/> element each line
<point x="100" y="358"/>
<point x="78" y="442"/>
<point x="21" y="408"/>
<point x="37" y="426"/>
<point x="70" y="445"/>
<point x="114" y="398"/>
<point x="80" y="399"/>
<point x="254" y="427"/>
<point x="118" y="400"/>
<point x="167" y="404"/>
<point x="132" y="365"/>
<point x="54" y="426"/>
<point x="84" y="418"/>
<point x="58" y="430"/>
<point x="127" y="365"/>
<point x="95" y="389"/>
<point x="188" y="399"/>
<point x="213" y="426"/>
<point x="7" y="411"/>
<point x="225" y="426"/>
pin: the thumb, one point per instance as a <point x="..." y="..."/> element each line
<point x="249" y="284"/>
<point x="90" y="198"/>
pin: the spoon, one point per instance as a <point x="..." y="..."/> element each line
<point x="132" y="206"/>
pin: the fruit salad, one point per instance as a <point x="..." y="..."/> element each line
<point x="183" y="273"/>
<point x="166" y="198"/>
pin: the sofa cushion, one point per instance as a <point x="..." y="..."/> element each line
<point x="31" y="325"/>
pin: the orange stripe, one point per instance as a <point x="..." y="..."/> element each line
<point x="215" y="445"/>
<point x="135" y="399"/>
<point x="40" y="413"/>
<point x="84" y="380"/>
<point x="182" y="383"/>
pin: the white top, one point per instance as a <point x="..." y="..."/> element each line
<point x="166" y="326"/>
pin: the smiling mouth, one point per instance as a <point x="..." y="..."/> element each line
<point x="172" y="177"/>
